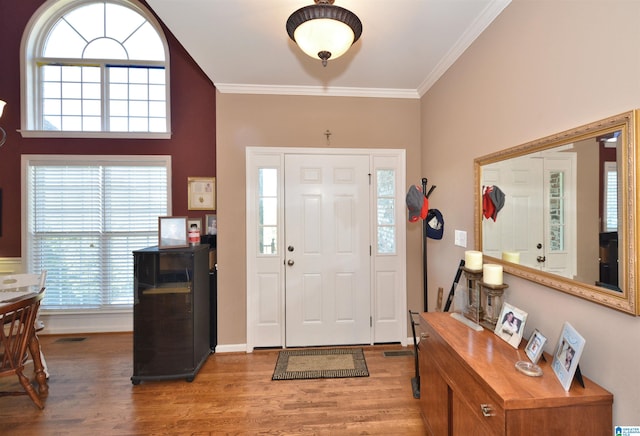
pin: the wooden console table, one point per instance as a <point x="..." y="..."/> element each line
<point x="469" y="386"/>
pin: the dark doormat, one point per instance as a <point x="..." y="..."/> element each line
<point x="320" y="363"/>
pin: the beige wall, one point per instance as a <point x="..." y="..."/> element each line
<point x="588" y="216"/>
<point x="299" y="121"/>
<point x="542" y="67"/>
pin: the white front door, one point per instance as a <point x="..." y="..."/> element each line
<point x="327" y="260"/>
<point x="346" y="224"/>
<point x="518" y="226"/>
<point x="537" y="223"/>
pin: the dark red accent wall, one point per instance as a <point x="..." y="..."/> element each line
<point x="193" y="123"/>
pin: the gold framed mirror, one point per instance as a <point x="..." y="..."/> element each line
<point x="567" y="219"/>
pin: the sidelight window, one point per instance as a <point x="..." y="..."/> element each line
<point x="268" y="211"/>
<point x="386" y="211"/>
<point x="556" y="211"/>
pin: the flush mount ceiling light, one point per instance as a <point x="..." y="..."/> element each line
<point x="324" y="30"/>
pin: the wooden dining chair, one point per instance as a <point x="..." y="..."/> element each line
<point x="17" y="334"/>
<point x="14" y="286"/>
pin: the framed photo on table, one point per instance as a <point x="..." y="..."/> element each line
<point x="196" y="221"/>
<point x="510" y="325"/>
<point x="212" y="224"/>
<point x="172" y="232"/>
<point x="535" y="346"/>
<point x="202" y="193"/>
<point x="567" y="354"/>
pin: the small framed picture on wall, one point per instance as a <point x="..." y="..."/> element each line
<point x="202" y="193"/>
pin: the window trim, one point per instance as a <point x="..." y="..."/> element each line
<point x="31" y="46"/>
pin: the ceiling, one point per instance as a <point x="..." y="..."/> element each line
<point x="406" y="45"/>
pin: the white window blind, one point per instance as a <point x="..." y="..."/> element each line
<point x="84" y="220"/>
<point x="610" y="197"/>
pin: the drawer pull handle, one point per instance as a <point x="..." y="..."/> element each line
<point x="486" y="410"/>
<point x="424" y="335"/>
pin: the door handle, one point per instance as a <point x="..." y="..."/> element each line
<point x="487" y="410"/>
<point x="541" y="258"/>
<point x="290" y="262"/>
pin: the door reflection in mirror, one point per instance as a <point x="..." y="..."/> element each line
<point x="545" y="193"/>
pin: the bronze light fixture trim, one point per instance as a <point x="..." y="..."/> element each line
<point x="3" y="134"/>
<point x="324" y="30"/>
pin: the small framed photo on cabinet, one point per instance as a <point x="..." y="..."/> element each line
<point x="510" y="325"/>
<point x="567" y="354"/>
<point x="172" y="232"/>
<point x="212" y="224"/>
<point x="535" y="346"/>
<point x="195" y="221"/>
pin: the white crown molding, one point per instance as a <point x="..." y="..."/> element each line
<point x="489" y="14"/>
<point x="232" y="88"/>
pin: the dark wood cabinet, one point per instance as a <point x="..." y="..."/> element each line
<point x="170" y="313"/>
<point x="469" y="386"/>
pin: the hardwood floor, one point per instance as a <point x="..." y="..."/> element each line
<point x="90" y="393"/>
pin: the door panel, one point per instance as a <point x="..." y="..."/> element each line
<point x="518" y="226"/>
<point x="327" y="274"/>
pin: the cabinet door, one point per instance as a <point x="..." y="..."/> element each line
<point x="434" y="393"/>
<point x="466" y="422"/>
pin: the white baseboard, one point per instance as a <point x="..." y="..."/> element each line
<point x="231" y="348"/>
<point x="77" y="323"/>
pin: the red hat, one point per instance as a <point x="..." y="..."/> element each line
<point x="417" y="203"/>
<point x="488" y="208"/>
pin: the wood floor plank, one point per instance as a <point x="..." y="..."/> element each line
<point x="90" y="393"/>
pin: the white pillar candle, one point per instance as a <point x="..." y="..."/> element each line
<point x="473" y="260"/>
<point x="492" y="274"/>
<point x="511" y="256"/>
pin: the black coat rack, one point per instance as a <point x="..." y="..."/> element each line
<point x="424" y="244"/>
<point x="415" y="381"/>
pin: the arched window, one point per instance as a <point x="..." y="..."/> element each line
<point x="95" y="68"/>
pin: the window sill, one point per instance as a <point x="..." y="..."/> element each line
<point x="111" y="135"/>
<point x="79" y="311"/>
